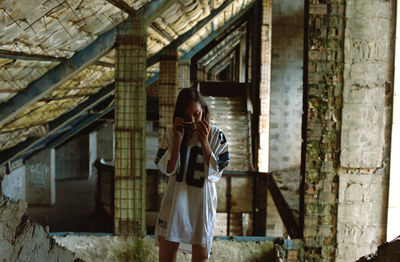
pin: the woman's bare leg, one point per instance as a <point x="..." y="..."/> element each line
<point x="167" y="250"/>
<point x="199" y="253"/>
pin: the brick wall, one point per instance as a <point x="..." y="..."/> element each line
<point x="325" y="85"/>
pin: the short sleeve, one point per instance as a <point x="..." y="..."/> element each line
<point x="164" y="153"/>
<point x="220" y="158"/>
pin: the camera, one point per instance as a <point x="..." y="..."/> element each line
<point x="187" y="124"/>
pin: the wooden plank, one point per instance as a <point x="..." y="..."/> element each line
<point x="224" y="89"/>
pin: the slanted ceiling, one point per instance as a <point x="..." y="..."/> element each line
<point x="38" y="35"/>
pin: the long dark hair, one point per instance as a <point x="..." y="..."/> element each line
<point x="187" y="96"/>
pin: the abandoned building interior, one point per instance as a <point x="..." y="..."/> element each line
<point x="303" y="89"/>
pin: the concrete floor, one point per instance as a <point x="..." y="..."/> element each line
<point x="74" y="210"/>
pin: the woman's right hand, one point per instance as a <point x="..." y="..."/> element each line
<point x="178" y="129"/>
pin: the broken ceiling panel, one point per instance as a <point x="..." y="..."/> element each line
<point x="10" y="139"/>
<point x="15" y="76"/>
<point x="50" y="31"/>
<point x="221" y="19"/>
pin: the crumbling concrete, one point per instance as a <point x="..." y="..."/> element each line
<point x="107" y="248"/>
<point x="22" y="240"/>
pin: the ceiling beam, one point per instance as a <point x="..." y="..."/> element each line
<point x="153" y="10"/>
<point x="61" y="123"/>
<point x="56" y="76"/>
<point x="184" y="37"/>
<point x="187" y="57"/>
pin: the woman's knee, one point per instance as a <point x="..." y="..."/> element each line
<point x="167" y="249"/>
<point x="199" y="253"/>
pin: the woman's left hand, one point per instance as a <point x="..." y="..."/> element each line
<point x="203" y="129"/>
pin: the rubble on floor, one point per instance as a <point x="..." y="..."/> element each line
<point x="22" y="240"/>
<point x="114" y="248"/>
<point x="387" y="252"/>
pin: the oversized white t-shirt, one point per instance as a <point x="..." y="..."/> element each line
<point x="188" y="209"/>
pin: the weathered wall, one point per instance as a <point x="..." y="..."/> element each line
<point x="72" y="159"/>
<point x="13" y="184"/>
<point x="286" y="84"/>
<point x="22" y="240"/>
<point x="367" y="106"/>
<point x="40" y="178"/>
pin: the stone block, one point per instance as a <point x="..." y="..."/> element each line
<point x="362" y="138"/>
<point x="354" y="93"/>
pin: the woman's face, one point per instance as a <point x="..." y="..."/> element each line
<point x="193" y="112"/>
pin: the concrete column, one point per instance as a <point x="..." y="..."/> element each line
<point x="265" y="85"/>
<point x="366" y="126"/>
<point x="183" y="75"/>
<point x="130" y="128"/>
<point x="92" y="153"/>
<point x="168" y="89"/>
<point x="40" y="178"/>
<point x="105" y="142"/>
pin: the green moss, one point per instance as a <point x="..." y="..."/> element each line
<point x="134" y="250"/>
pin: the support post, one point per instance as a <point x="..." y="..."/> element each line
<point x="130" y="129"/>
<point x="168" y="89"/>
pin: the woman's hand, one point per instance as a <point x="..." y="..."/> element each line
<point x="203" y="129"/>
<point x="178" y="129"/>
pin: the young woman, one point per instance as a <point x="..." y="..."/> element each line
<point x="193" y="154"/>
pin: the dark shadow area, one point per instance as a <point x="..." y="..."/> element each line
<point x="74" y="210"/>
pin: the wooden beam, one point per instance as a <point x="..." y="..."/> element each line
<point x="224" y="89"/>
<point x="12" y="91"/>
<point x="34" y="57"/>
<point x="291" y="225"/>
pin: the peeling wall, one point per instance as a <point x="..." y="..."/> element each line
<point x="366" y="116"/>
<point x="13" y="184"/>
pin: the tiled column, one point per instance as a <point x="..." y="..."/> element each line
<point x="168" y="89"/>
<point x="130" y="128"/>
